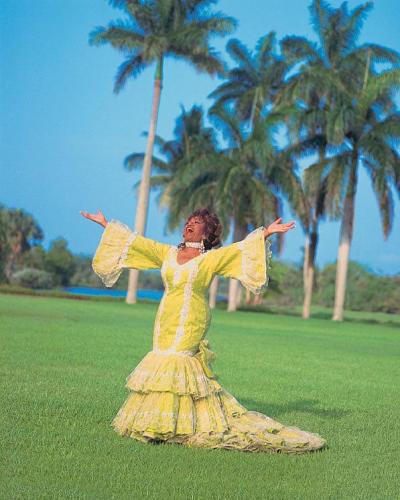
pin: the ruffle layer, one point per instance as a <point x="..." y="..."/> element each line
<point x="175" y="373"/>
<point x="172" y="400"/>
<point x="215" y="421"/>
<point x="256" y="259"/>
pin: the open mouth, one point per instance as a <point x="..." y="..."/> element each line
<point x="189" y="230"/>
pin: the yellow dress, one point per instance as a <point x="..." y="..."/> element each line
<point x="173" y="394"/>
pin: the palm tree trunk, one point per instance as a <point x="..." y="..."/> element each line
<point x="366" y="74"/>
<point x="310" y="268"/>
<point x="305" y="262"/>
<point x="346" y="235"/>
<point x="232" y="294"/>
<point x="8" y="268"/>
<point x="144" y="190"/>
<point x="212" y="300"/>
<point x="258" y="300"/>
<point x="253" y="115"/>
<point x="239" y="233"/>
<point x="239" y="295"/>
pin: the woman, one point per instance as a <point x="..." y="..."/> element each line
<point x="174" y="395"/>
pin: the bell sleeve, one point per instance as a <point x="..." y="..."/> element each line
<point x="247" y="260"/>
<point x="121" y="248"/>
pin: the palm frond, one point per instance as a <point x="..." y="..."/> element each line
<point x="383" y="193"/>
<point x="135" y="161"/>
<point x="299" y="48"/>
<point x="354" y="24"/>
<point x="130" y="68"/>
<point x="264" y="47"/>
<point x="119" y="34"/>
<point x="239" y="52"/>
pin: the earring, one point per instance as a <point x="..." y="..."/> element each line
<point x="202" y="248"/>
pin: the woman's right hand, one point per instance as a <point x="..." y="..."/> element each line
<point x="99" y="217"/>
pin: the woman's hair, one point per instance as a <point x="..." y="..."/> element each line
<point x="213" y="229"/>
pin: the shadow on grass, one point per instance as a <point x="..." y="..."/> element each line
<point x="273" y="410"/>
<point x="317" y="315"/>
<point x="372" y="321"/>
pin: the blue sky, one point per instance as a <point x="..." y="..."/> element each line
<point x="64" y="134"/>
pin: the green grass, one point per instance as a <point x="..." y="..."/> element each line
<point x="63" y="369"/>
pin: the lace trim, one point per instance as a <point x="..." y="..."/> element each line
<point x="250" y="261"/>
<point x="193" y="267"/>
<point x="157" y="326"/>
<point x="120" y="225"/>
<point x="190" y="262"/>
<point x="110" y="276"/>
<point x="170" y="351"/>
<point x="124" y="253"/>
<point x="176" y="375"/>
<point x="157" y="413"/>
<point x="177" y="275"/>
<point x="187" y="295"/>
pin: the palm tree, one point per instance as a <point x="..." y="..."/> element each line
<point x="252" y="176"/>
<point x="182" y="186"/>
<point x="19" y="231"/>
<point x="368" y="136"/>
<point x="307" y="128"/>
<point x="194" y="172"/>
<point x="251" y="88"/>
<point x="154" y="30"/>
<point x="178" y="164"/>
<point x="254" y="81"/>
<point x="332" y="70"/>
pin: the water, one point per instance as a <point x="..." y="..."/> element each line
<point x="142" y="294"/>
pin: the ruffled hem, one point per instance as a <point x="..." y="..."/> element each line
<point x="180" y="374"/>
<point x="215" y="421"/>
<point x="256" y="260"/>
<point x="172" y="400"/>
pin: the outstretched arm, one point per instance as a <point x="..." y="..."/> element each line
<point x="120" y="248"/>
<point x="99" y="217"/>
<point x="277" y="227"/>
<point x="249" y="260"/>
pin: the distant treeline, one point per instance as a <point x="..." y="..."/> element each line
<point x="25" y="262"/>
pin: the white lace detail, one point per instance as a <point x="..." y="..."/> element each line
<point x="173" y="258"/>
<point x="121" y="225"/>
<point x="181" y="376"/>
<point x="192" y="266"/>
<point x="157" y="327"/>
<point x="170" y="351"/>
<point x="248" y="260"/>
<point x="163" y="414"/>
<point x="124" y="253"/>
<point x="115" y="266"/>
<point x="187" y="295"/>
<point x="177" y="275"/>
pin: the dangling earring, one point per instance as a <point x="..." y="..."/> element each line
<point x="202" y="248"/>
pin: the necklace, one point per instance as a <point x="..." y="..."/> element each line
<point x="193" y="244"/>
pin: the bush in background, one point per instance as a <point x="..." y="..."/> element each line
<point x="32" y="278"/>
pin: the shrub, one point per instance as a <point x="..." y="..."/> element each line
<point x="32" y="278"/>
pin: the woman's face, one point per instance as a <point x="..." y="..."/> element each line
<point x="194" y="229"/>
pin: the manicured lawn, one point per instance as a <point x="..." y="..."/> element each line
<point x="63" y="369"/>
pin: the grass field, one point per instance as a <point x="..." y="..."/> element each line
<point x="63" y="369"/>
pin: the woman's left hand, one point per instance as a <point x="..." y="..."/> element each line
<point x="277" y="227"/>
